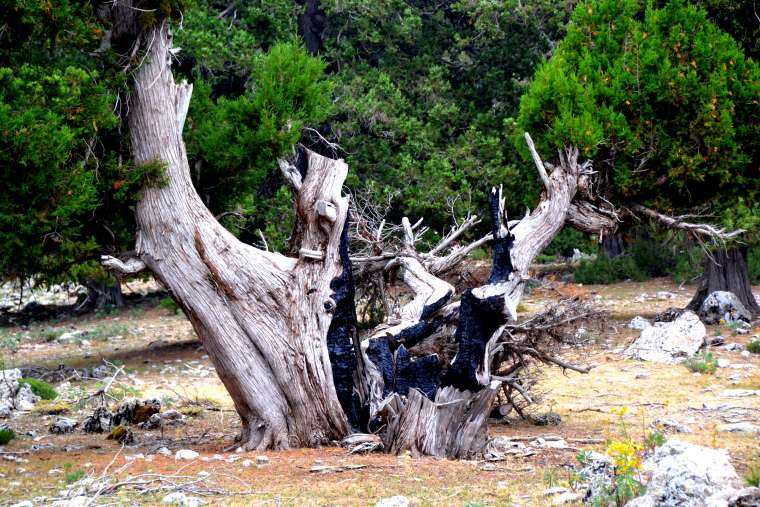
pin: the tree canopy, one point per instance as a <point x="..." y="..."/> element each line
<point x="663" y="101"/>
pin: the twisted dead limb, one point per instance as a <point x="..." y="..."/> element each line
<point x="438" y="403"/>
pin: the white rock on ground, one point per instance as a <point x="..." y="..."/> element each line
<point x="639" y="323"/>
<point x="9" y="383"/>
<point x="63" y="425"/>
<point x="723" y="305"/>
<point x="181" y="499"/>
<point x="25" y="398"/>
<point x="394" y="501"/>
<point x="186" y="454"/>
<point x="684" y="474"/>
<point x="668" y="342"/>
<point x="739" y="427"/>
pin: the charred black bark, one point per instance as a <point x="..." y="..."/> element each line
<point x="728" y="272"/>
<point x="341" y="334"/>
<point x="480" y="317"/>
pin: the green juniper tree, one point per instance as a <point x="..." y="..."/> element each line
<point x="663" y="102"/>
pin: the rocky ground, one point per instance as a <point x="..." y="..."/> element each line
<point x="157" y="356"/>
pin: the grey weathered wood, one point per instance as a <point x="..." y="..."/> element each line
<point x="261" y="316"/>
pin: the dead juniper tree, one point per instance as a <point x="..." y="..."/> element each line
<point x="281" y="330"/>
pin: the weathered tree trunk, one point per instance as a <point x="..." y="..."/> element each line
<point x="101" y="294"/>
<point x="264" y="319"/>
<point x="281" y="331"/>
<point x="726" y="271"/>
<point x="434" y="406"/>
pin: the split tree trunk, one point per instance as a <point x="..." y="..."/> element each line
<point x="281" y="331"/>
<point x="727" y="271"/>
<point x="263" y="318"/>
<point x="435" y="407"/>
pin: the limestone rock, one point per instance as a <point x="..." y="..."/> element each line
<point x="747" y="497"/>
<point x="669" y="341"/>
<point x="739" y="427"/>
<point x="181" y="499"/>
<point x="186" y="454"/>
<point x="685" y="474"/>
<point x="394" y="501"/>
<point x="639" y="323"/>
<point x="597" y="472"/>
<point x="63" y="425"/>
<point x="723" y="305"/>
<point x="9" y="383"/>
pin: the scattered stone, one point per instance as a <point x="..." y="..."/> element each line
<point x="394" y="501"/>
<point x="739" y="427"/>
<point x="5" y="409"/>
<point x="723" y="305"/>
<point x="745" y="353"/>
<point x="687" y="474"/>
<point x="639" y="323"/>
<point x="554" y="491"/>
<point x="25" y="503"/>
<point x="163" y="451"/>
<point x="262" y="460"/>
<point x="747" y="497"/>
<point x="99" y="421"/>
<point x="597" y="472"/>
<point x="549" y="418"/>
<point x="135" y="411"/>
<point x="715" y="341"/>
<point x="63" y="425"/>
<point x="669" y="341"/>
<point x="565" y="498"/>
<point x="246" y="463"/>
<point x="181" y="499"/>
<point x="77" y="501"/>
<point x="101" y="371"/>
<point x="25" y="398"/>
<point x="741" y="366"/>
<point x="122" y="434"/>
<point x="723" y="362"/>
<point x="9" y="383"/>
<point x="739" y="393"/>
<point x="154" y="422"/>
<point x="186" y="454"/>
<point x="487" y="467"/>
<point x="732" y="347"/>
<point x="671" y="425"/>
<point x="668" y="315"/>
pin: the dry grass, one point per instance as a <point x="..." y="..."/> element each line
<point x="651" y="391"/>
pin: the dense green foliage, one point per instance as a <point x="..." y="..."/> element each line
<point x="6" y="435"/>
<point x="421" y="98"/>
<point x="663" y="101"/>
<point x="603" y="270"/>
<point x="55" y="104"/>
<point x="40" y="388"/>
<point x="236" y="141"/>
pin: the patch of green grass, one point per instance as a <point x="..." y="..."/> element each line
<point x="168" y="304"/>
<point x="40" y="388"/>
<point x="754" y="346"/>
<point x="752" y="477"/>
<point x="51" y="335"/>
<point x="703" y="363"/>
<point x="74" y="476"/>
<point x="6" y="435"/>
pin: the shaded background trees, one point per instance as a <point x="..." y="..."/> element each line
<point x="408" y="92"/>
